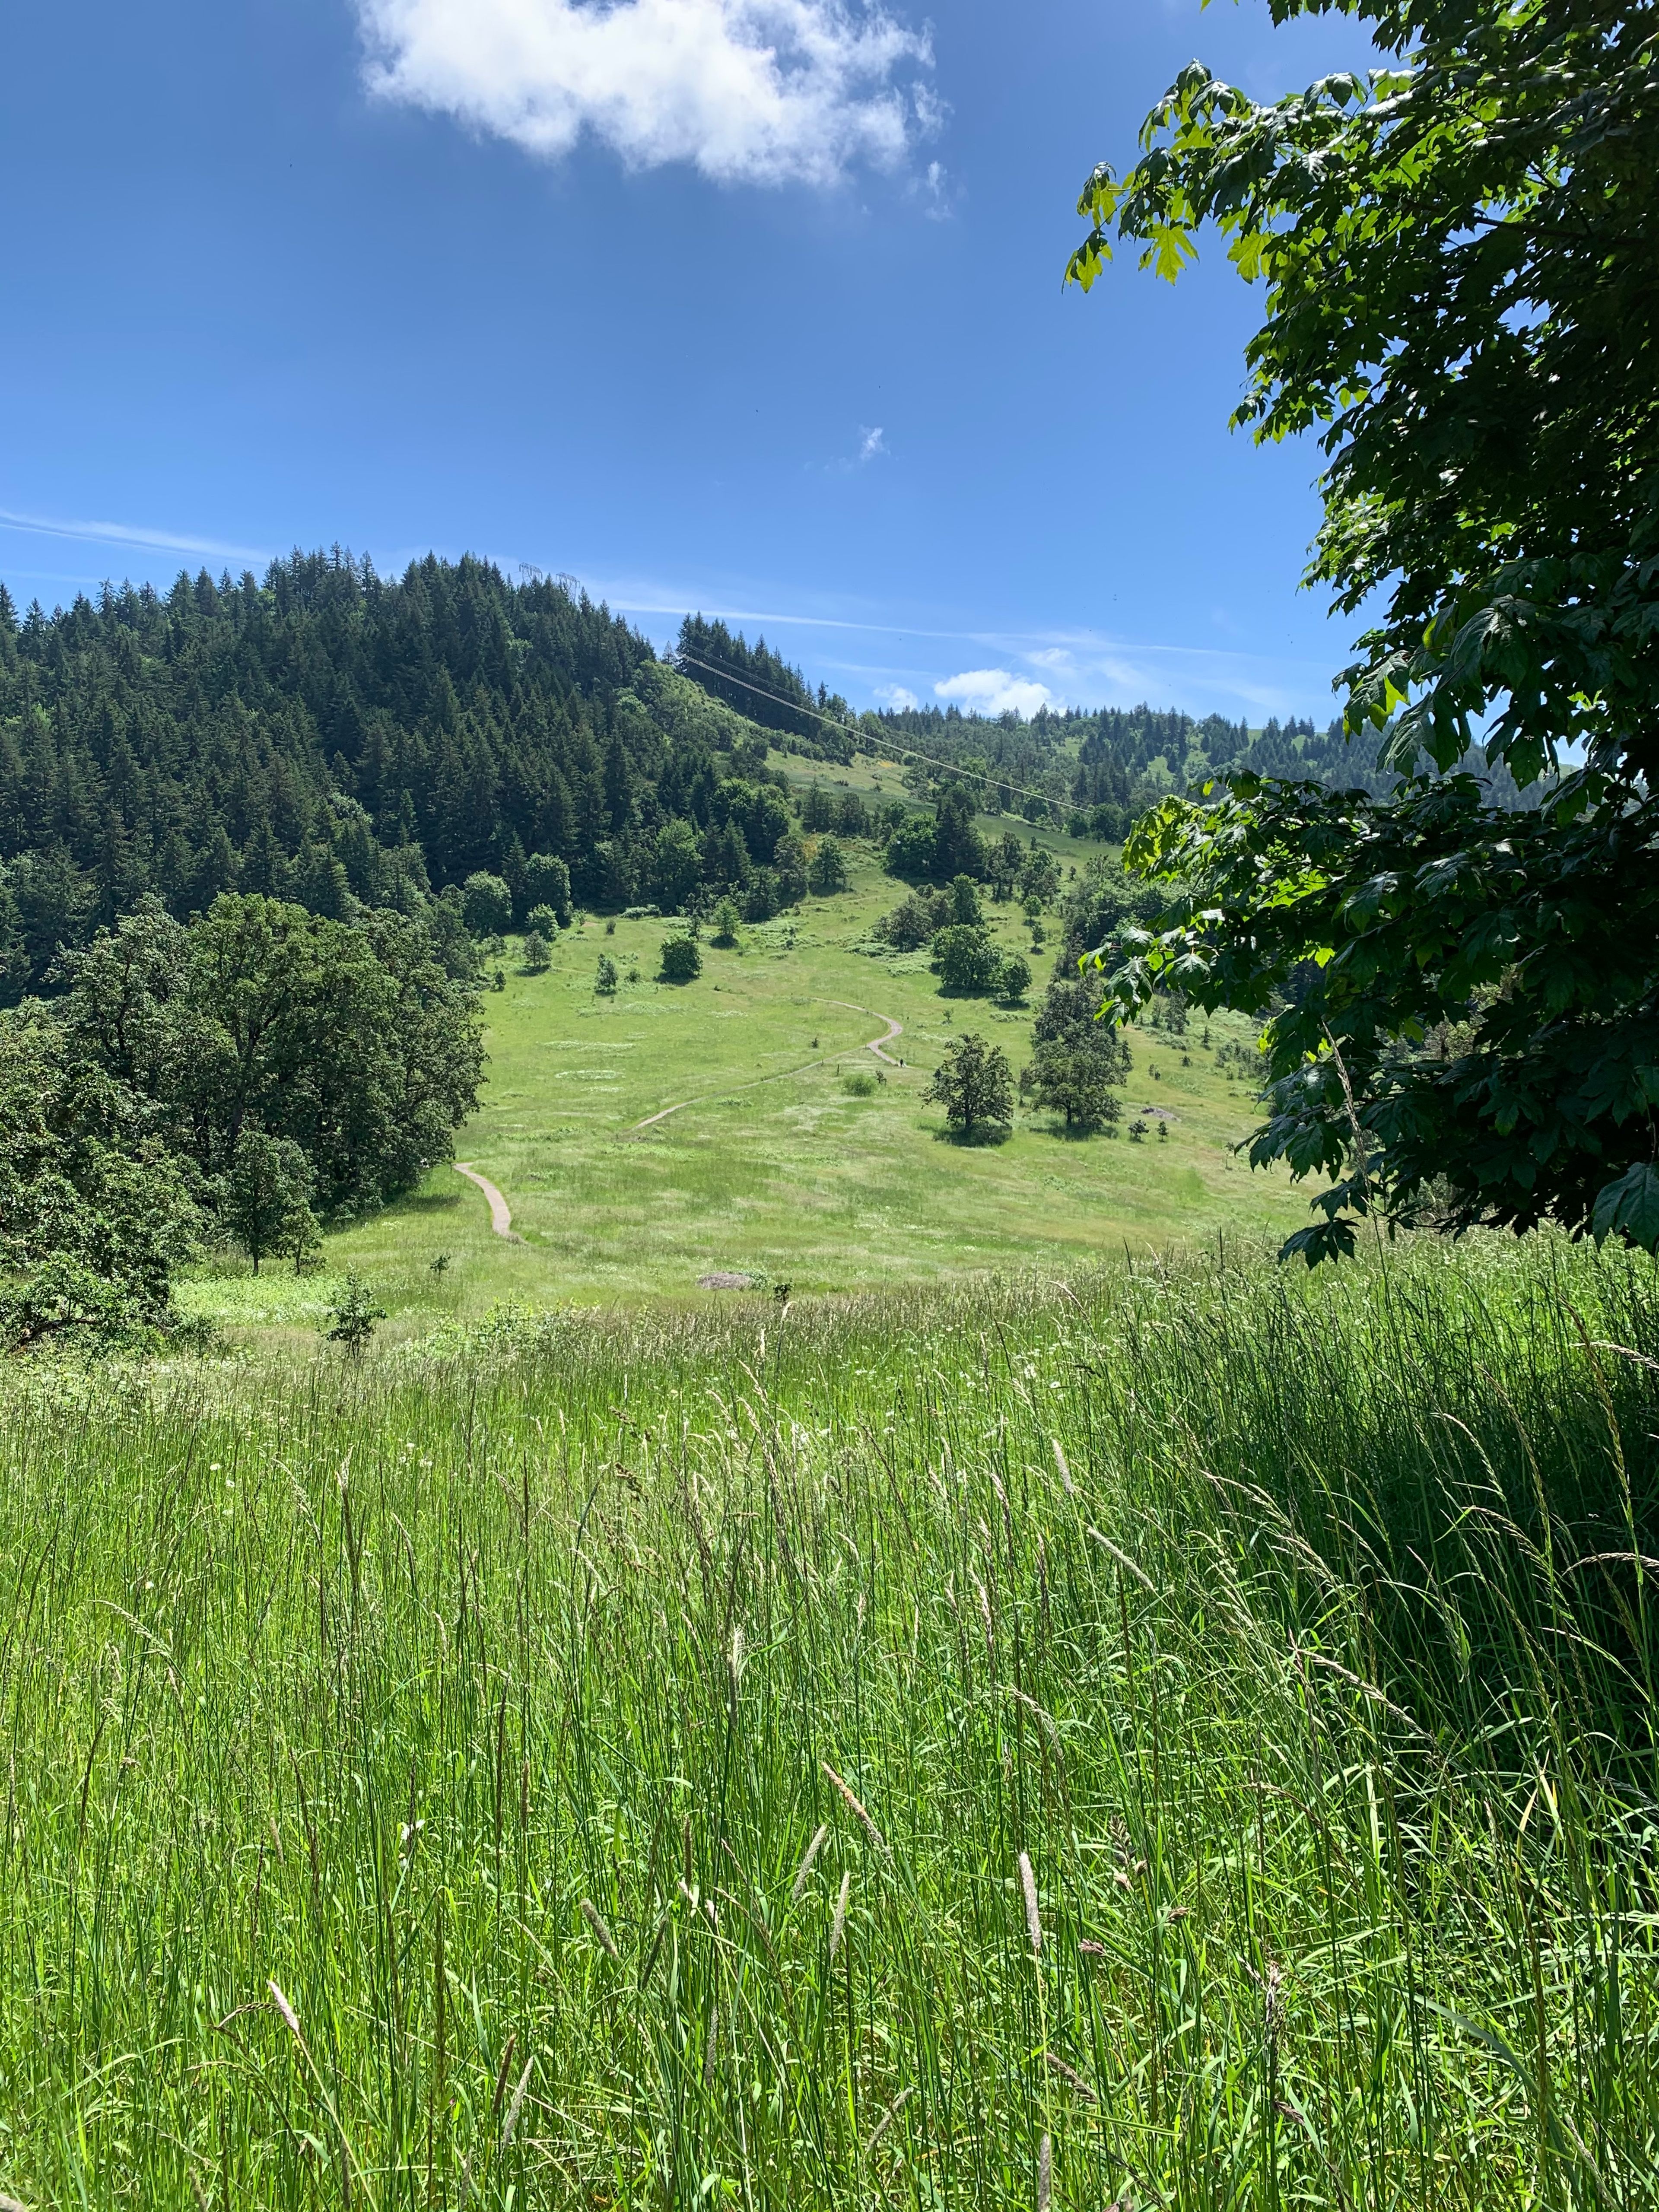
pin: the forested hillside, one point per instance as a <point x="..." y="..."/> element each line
<point x="328" y="733"/>
<point x="762" y="686"/>
<point x="1098" y="771"/>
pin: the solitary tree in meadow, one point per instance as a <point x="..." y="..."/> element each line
<point x="966" y="959"/>
<point x="974" y="1085"/>
<point x="1013" y="977"/>
<point x="682" y="960"/>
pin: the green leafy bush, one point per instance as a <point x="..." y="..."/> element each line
<point x="682" y="960"/>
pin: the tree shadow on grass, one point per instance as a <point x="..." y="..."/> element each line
<point x="976" y="1139"/>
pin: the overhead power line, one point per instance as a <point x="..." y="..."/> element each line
<point x="851" y="729"/>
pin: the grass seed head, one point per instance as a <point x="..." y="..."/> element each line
<point x="1033" y="1924"/>
<point x="854" y="1806"/>
<point x="838" y="1928"/>
<point x="513" y="2110"/>
<point x="1045" y="2173"/>
<point x="805" y="1869"/>
<point x="595" y="1920"/>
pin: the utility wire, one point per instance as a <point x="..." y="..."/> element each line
<point x="852" y="729"/>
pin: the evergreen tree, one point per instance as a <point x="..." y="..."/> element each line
<point x="828" y="873"/>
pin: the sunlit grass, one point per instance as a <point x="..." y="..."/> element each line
<point x="485" y="1701"/>
<point x="774" y="1166"/>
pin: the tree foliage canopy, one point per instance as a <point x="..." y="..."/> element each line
<point x="96" y="1210"/>
<point x="974" y="1085"/>
<point x="1461" y="262"/>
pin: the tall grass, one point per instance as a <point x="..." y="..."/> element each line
<point x="1183" y="1738"/>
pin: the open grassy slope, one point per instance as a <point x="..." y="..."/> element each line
<point x="771" y="1165"/>
<point x="1184" y="1738"/>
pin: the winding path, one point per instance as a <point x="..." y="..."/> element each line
<point x="876" y="1044"/>
<point x="501" y="1216"/>
<point x="894" y="1030"/>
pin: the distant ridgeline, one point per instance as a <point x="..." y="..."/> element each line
<point x="1097" y="772"/>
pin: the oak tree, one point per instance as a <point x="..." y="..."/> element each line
<point x="1460" y="257"/>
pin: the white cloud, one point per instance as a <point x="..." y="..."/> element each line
<point x="994" y="691"/>
<point x="871" y="442"/>
<point x="936" y="204"/>
<point x="765" y="92"/>
<point x="898" y="696"/>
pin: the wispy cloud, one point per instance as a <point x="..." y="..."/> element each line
<point x="133" y="534"/>
<point x="994" y="691"/>
<point x="761" y="92"/>
<point x="871" y="442"/>
<point x="896" y="695"/>
<point x="1074" y="666"/>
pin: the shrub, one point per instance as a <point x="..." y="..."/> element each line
<point x="859" y="1083"/>
<point x="726" y="918"/>
<point x="682" y="960"/>
<point x="486" y="905"/>
<point x="544" y="922"/>
<point x="350" y="1322"/>
<point x="604" y="977"/>
<point x="537" y="953"/>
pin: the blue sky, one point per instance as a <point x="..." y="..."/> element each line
<point x="615" y="296"/>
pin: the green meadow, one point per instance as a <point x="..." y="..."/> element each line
<point x="1180" y="1735"/>
<point x="766" y="1161"/>
<point x="1020" y="1702"/>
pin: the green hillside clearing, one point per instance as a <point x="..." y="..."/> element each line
<point x="763" y="1161"/>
